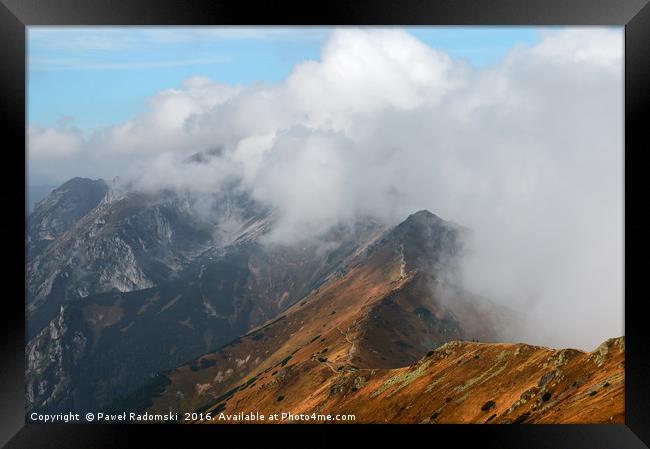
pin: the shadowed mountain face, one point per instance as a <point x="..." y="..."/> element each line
<point x="60" y="210"/>
<point x="127" y="242"/>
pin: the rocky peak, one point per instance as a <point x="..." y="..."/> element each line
<point x="61" y="209"/>
<point x="419" y="222"/>
<point x="426" y="242"/>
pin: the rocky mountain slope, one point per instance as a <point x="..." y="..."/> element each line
<point x="128" y="242"/>
<point x="61" y="209"/>
<point x="36" y="193"/>
<point x="106" y="345"/>
<point x="383" y="309"/>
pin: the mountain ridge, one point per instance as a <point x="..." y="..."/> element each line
<point x="160" y="302"/>
<point x="458" y="382"/>
<point x="372" y="313"/>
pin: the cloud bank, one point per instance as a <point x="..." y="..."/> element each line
<point x="528" y="153"/>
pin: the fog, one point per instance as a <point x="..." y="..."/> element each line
<point x="527" y="153"/>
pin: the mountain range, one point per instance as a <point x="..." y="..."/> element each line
<point x="168" y="302"/>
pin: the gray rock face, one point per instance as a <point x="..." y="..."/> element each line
<point x="36" y="193"/>
<point x="224" y="292"/>
<point x="60" y="210"/>
<point x="127" y="242"/>
<point x="52" y="360"/>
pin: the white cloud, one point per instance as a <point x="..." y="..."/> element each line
<point x="52" y="143"/>
<point x="527" y="153"/>
<point x="167" y="124"/>
<point x="366" y="71"/>
<point x="583" y="46"/>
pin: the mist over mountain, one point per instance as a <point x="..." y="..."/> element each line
<point x="138" y="286"/>
<point x="238" y="304"/>
<point x="527" y="153"/>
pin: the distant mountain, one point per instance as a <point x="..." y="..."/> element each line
<point x="60" y="210"/>
<point x="36" y="193"/>
<point x="128" y="242"/>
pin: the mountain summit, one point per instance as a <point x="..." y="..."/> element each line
<point x="61" y="209"/>
<point x="384" y="307"/>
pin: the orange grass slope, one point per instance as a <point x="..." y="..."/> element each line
<point x="460" y="382"/>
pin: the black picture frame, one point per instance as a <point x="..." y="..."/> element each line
<point x="16" y="15"/>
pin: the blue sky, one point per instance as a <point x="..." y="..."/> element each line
<point x="103" y="76"/>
